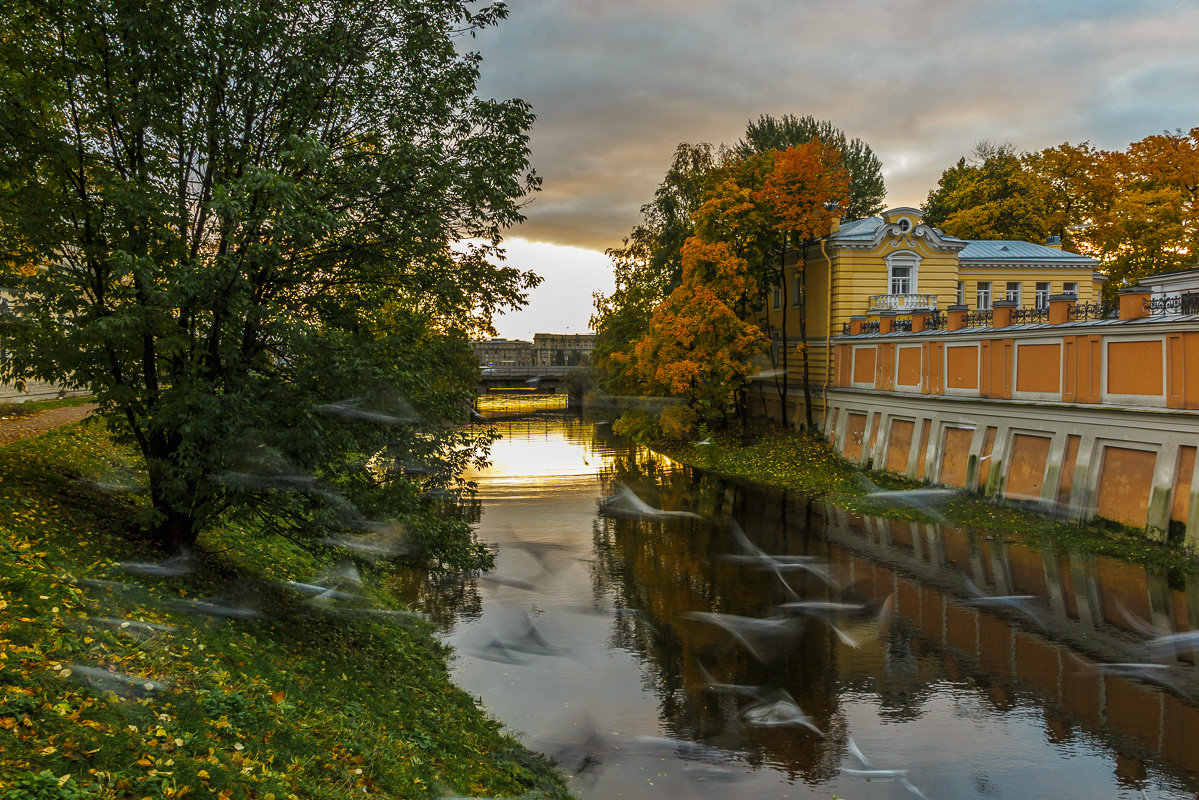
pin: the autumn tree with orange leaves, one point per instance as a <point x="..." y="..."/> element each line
<point x="698" y="348"/>
<point x="766" y="206"/>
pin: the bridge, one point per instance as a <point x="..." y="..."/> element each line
<point x="539" y="378"/>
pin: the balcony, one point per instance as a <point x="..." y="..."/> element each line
<point x="903" y="302"/>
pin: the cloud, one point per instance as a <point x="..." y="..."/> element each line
<point x="618" y="84"/>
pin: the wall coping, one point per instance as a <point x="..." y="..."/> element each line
<point x="1114" y="413"/>
<point x="1170" y="323"/>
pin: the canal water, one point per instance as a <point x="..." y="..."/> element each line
<point x="618" y="644"/>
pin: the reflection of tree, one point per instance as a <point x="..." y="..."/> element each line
<point x="442" y="599"/>
<point x="661" y="569"/>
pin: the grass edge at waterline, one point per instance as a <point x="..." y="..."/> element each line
<point x="784" y="459"/>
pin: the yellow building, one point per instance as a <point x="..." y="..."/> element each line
<point x="894" y="264"/>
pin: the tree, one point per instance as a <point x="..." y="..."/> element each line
<point x="761" y="206"/>
<point x="648" y="265"/>
<point x="995" y="197"/>
<point x="866" y="188"/>
<point x="243" y="218"/>
<point x="1079" y="184"/>
<point x="698" y="348"/>
<point x="806" y="189"/>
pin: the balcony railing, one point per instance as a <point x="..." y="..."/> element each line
<point x="903" y="302"/>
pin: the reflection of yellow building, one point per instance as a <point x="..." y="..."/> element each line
<point x="893" y="265"/>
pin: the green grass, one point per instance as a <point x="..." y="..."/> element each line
<point x="790" y="460"/>
<point x="296" y="705"/>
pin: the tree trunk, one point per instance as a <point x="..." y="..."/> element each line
<point x="803" y="339"/>
<point x="780" y="364"/>
<point x="176" y="532"/>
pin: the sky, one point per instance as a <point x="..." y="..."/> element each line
<point x="617" y="84"/>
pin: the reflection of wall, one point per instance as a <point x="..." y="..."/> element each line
<point x="1087" y="598"/>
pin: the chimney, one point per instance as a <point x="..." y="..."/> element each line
<point x="1054" y="242"/>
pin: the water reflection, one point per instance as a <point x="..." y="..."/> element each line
<point x="636" y="688"/>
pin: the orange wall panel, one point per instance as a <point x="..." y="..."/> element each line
<point x="961" y="367"/>
<point x="855" y="430"/>
<point x="1175" y="371"/>
<point x="1026" y="466"/>
<point x="1039" y="368"/>
<point x="1190" y="378"/>
<point x="1125" y="479"/>
<point x="1135" y="368"/>
<point x="864" y="359"/>
<point x="900" y="445"/>
<point x="907" y="371"/>
<point x="955" y="452"/>
<point x="1182" y="484"/>
<point x="922" y="453"/>
<point x="1094" y="357"/>
<point x="1069" y="459"/>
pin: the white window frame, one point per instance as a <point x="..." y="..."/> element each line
<point x="906" y="259"/>
<point x="1041" y="292"/>
<point x="961" y="293"/>
<point x="776" y="298"/>
<point x="1070" y="287"/>
<point x="796" y="290"/>
<point x="1014" y="293"/>
<point x="980" y="292"/>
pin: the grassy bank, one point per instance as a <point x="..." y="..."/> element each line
<point x="808" y="465"/>
<point x="295" y="704"/>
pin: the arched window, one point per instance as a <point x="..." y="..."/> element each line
<point x="902" y="269"/>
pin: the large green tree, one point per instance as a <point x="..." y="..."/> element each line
<point x="994" y="195"/>
<point x="866" y="188"/>
<point x="236" y="224"/>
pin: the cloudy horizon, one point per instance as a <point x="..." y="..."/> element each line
<point x="616" y="85"/>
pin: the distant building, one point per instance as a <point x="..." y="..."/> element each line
<point x="504" y="353"/>
<point x="562" y="349"/>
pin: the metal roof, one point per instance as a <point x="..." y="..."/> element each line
<point x="1014" y="250"/>
<point x="858" y="228"/>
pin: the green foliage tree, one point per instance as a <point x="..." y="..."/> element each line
<point x="994" y="196"/>
<point x="235" y="223"/>
<point x="866" y="187"/>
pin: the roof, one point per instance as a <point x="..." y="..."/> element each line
<point x="1015" y="251"/>
<point x="858" y="228"/>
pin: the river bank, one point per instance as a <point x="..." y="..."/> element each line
<point x="110" y="689"/>
<point x="783" y="459"/>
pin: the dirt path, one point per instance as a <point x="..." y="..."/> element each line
<point x="12" y="430"/>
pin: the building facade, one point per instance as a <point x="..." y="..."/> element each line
<point x="504" y="353"/>
<point x="893" y="265"/>
<point x="562" y="349"/>
<point x="1079" y="415"/>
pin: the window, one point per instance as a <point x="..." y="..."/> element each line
<point x="1013" y="292"/>
<point x="776" y="297"/>
<point x="1042" y="296"/>
<point x="901" y="273"/>
<point x="961" y="293"/>
<point x="1070" y="287"/>
<point x="984" y="294"/>
<point x="796" y="290"/>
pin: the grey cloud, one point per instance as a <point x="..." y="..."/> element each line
<point x="617" y="84"/>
